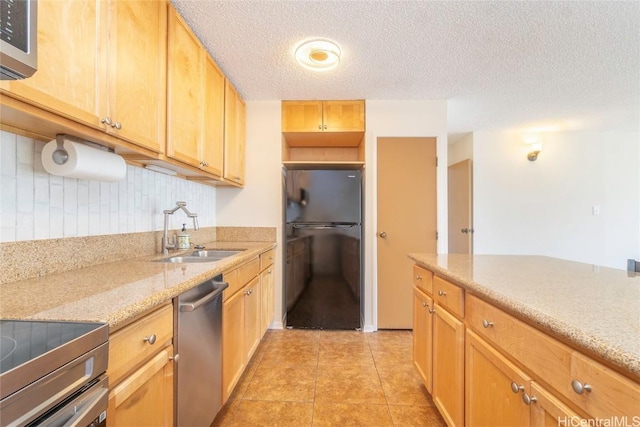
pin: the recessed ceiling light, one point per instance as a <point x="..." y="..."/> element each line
<point x="318" y="54"/>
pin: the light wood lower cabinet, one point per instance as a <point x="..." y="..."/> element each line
<point x="145" y="398"/>
<point x="555" y="384"/>
<point x="494" y="387"/>
<point x="448" y="366"/>
<point x="141" y="372"/>
<point x="241" y="322"/>
<point x="548" y="411"/>
<point x="267" y="285"/>
<point x="423" y="336"/>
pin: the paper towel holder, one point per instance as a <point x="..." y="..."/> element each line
<point x="60" y="155"/>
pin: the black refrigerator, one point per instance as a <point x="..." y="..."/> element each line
<point x="323" y="220"/>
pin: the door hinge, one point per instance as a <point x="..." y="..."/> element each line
<point x="437" y="235"/>
<point x="436" y="161"/>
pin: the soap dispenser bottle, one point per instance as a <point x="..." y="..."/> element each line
<point x="184" y="238"/>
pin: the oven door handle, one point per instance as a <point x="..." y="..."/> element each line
<point x="90" y="409"/>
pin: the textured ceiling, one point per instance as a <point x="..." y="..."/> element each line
<point x="524" y="65"/>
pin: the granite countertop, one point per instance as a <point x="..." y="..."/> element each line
<point x="595" y="308"/>
<point x="116" y="292"/>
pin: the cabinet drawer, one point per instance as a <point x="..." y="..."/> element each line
<point x="555" y="363"/>
<point x="131" y="346"/>
<point x="449" y="295"/>
<point x="240" y="276"/>
<point x="423" y="279"/>
<point x="267" y="258"/>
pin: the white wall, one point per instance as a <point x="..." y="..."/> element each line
<point x="259" y="204"/>
<point x="546" y="207"/>
<point x="36" y="205"/>
<point x="419" y="118"/>
<point x="460" y="150"/>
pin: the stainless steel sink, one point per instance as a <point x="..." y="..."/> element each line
<point x="215" y="253"/>
<point x="209" y="255"/>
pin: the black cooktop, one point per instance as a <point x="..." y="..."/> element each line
<point x="30" y="349"/>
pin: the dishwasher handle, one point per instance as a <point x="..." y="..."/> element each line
<point x="194" y="305"/>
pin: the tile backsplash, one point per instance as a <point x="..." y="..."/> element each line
<point x="36" y="205"/>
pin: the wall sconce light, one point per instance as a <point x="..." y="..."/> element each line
<point x="536" y="147"/>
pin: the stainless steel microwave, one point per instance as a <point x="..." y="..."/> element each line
<point x="18" y="38"/>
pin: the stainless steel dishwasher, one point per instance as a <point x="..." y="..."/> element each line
<point x="198" y="344"/>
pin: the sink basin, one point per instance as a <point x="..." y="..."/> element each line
<point x="215" y="253"/>
<point x="202" y="256"/>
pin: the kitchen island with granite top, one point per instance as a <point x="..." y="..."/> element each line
<point x="527" y="340"/>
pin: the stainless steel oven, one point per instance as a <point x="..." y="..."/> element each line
<point x="53" y="373"/>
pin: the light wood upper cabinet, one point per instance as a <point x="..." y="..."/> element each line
<point x="195" y="101"/>
<point x="234" y="135"/>
<point x="109" y="73"/>
<point x="71" y="75"/>
<point x="323" y="116"/>
<point x="136" y="64"/>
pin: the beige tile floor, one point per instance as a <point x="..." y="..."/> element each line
<point x="331" y="378"/>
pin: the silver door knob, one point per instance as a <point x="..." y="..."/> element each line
<point x="580" y="388"/>
<point x="442" y="293"/>
<point x="383" y="234"/>
<point x="107" y="121"/>
<point x="150" y="339"/>
<point x="528" y="400"/>
<point x="487" y="323"/>
<point x="424" y="304"/>
<point x="516" y="388"/>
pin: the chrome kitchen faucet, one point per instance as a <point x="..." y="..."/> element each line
<point x="165" y="239"/>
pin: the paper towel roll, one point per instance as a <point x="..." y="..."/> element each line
<point x="84" y="162"/>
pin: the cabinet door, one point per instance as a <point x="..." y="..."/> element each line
<point x="71" y="72"/>
<point x="252" y="317"/>
<point x="548" y="411"/>
<point x="490" y="381"/>
<point x="233" y="357"/>
<point x="136" y="60"/>
<point x="343" y="116"/>
<point x="267" y="286"/>
<point x="184" y="91"/>
<point x="302" y="116"/>
<point x="448" y="366"/>
<point x="212" y="144"/>
<point x="234" y="135"/>
<point x="146" y="396"/>
<point x="423" y="336"/>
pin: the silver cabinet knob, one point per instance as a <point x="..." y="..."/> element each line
<point x="320" y="127"/>
<point x="516" y="388"/>
<point x="580" y="388"/>
<point x="418" y="277"/>
<point x="487" y="324"/>
<point x="528" y="400"/>
<point x="117" y="125"/>
<point x="107" y="121"/>
<point x="442" y="293"/>
<point x="175" y="358"/>
<point x="383" y="234"/>
<point x="424" y="304"/>
<point x="432" y="310"/>
<point x="151" y="339"/>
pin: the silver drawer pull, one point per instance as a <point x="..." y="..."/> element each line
<point x="418" y="277"/>
<point x="580" y="388"/>
<point x="528" y="400"/>
<point x="150" y="339"/>
<point x="442" y="293"/>
<point x="516" y="388"/>
<point x="487" y="324"/>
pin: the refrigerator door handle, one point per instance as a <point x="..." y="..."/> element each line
<point x="322" y="226"/>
